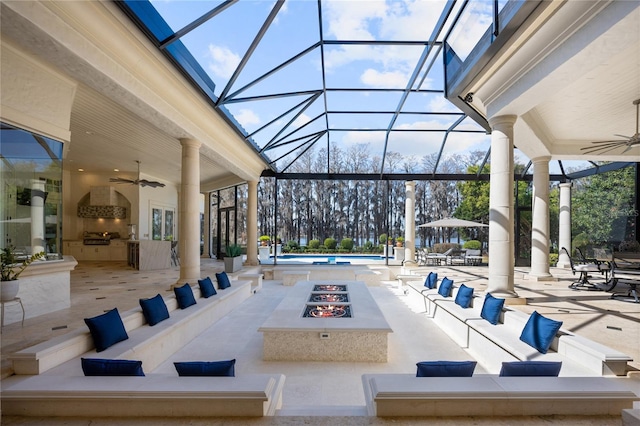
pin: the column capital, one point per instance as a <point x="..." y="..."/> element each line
<point x="410" y="183"/>
<point x="193" y="143"/>
<point x="500" y="120"/>
<point x="565" y="185"/>
<point x="543" y="158"/>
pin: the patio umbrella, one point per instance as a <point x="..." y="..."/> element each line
<point x="452" y="223"/>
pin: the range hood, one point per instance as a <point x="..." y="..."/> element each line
<point x="103" y="203"/>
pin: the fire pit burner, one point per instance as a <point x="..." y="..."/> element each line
<point x="329" y="297"/>
<point x="329" y="287"/>
<point x="327" y="311"/>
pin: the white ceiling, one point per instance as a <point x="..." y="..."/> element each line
<point x="574" y="81"/>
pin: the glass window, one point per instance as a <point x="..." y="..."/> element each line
<point x="31" y="192"/>
<point x="156" y="224"/>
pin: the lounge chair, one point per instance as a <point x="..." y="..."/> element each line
<point x="584" y="267"/>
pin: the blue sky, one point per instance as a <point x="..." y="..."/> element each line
<point x="220" y="44"/>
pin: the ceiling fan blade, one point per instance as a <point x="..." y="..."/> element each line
<point x="623" y="136"/>
<point x="121" y="180"/>
<point x="152" y="184"/>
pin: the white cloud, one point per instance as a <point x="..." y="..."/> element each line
<point x="441" y="104"/>
<point x="223" y="61"/>
<point x="301" y="120"/>
<point x="246" y="117"/>
<point x="388" y="79"/>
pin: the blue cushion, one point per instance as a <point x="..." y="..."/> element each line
<point x="445" y="287"/>
<point x="184" y="296"/>
<point x="464" y="296"/>
<point x="106" y="329"/>
<point x="206" y="288"/>
<point x="154" y="310"/>
<point x="197" y="368"/>
<point x="111" y="367"/>
<point x="446" y="368"/>
<point x="531" y="368"/>
<point x="539" y="332"/>
<point x="223" y="280"/>
<point x="431" y="280"/>
<point x="491" y="308"/>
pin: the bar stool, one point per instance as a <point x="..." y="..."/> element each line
<point x="3" y="306"/>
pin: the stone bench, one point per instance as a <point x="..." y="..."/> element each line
<point x="152" y="345"/>
<point x="150" y="396"/>
<point x="394" y="395"/>
<point x="290" y="278"/>
<point x="369" y="277"/>
<point x="256" y="281"/>
<point x="493" y="344"/>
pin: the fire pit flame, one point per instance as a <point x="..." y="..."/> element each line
<point x="327" y="311"/>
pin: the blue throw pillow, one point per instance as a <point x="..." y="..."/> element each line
<point x="184" y="296"/>
<point x="539" y="332"/>
<point x="531" y="368"/>
<point x="491" y="308"/>
<point x="223" y="280"/>
<point x="431" y="280"/>
<point x="445" y="287"/>
<point x="206" y="288"/>
<point x="111" y="367"/>
<point x="154" y="310"/>
<point x="464" y="296"/>
<point x="106" y="329"/>
<point x="197" y="368"/>
<point x="446" y="368"/>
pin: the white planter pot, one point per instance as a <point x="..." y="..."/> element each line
<point x="232" y="264"/>
<point x="9" y="290"/>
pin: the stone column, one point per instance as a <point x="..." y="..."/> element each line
<point x="37" y="215"/>
<point x="206" y="251"/>
<point x="189" y="218"/>
<point x="564" y="226"/>
<point x="501" y="233"/>
<point x="540" y="218"/>
<point x="410" y="224"/>
<point x="252" y="223"/>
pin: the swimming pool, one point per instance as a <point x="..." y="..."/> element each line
<point x="328" y="259"/>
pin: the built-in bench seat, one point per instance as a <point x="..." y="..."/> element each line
<point x="493" y="344"/>
<point x="49" y="380"/>
<point x="290" y="278"/>
<point x="393" y="395"/>
<point x="151" y="345"/>
<point x="154" y="395"/>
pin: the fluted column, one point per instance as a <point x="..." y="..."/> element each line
<point x="410" y="223"/>
<point x="37" y="215"/>
<point x="190" y="212"/>
<point x="540" y="220"/>
<point x="564" y="226"/>
<point x="252" y="223"/>
<point x="501" y="241"/>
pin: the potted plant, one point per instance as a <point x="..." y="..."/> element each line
<point x="264" y="239"/>
<point x="399" y="241"/>
<point x="233" y="258"/>
<point x="11" y="268"/>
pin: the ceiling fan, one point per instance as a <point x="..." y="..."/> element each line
<point x="141" y="182"/>
<point x="629" y="142"/>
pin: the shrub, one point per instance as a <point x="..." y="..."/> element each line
<point x="292" y="245"/>
<point x="382" y="239"/>
<point x="400" y="240"/>
<point x="580" y="241"/>
<point x="368" y="246"/>
<point x="330" y="243"/>
<point x="314" y="244"/>
<point x="553" y="259"/>
<point x="472" y="245"/>
<point x="442" y="247"/>
<point x="346" y="244"/>
<point x="264" y="238"/>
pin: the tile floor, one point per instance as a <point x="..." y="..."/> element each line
<point x="324" y="393"/>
